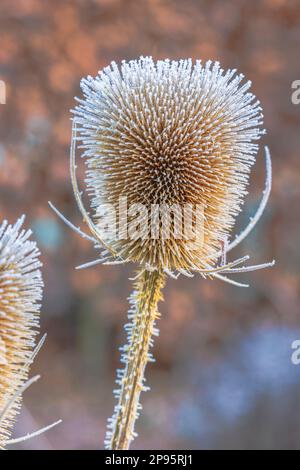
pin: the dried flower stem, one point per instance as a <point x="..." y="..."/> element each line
<point x="143" y="315"/>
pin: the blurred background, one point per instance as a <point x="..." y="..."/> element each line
<point x="223" y="376"/>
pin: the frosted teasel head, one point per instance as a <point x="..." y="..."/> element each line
<point x="175" y="133"/>
<point x="20" y="296"/>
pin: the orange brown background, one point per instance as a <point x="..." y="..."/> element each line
<point x="223" y="376"/>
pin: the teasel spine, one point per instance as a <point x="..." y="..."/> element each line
<point x="135" y="356"/>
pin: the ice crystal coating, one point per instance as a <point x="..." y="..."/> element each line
<point x="20" y="295"/>
<point x="169" y="132"/>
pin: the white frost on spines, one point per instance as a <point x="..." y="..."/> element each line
<point x="20" y="275"/>
<point x="123" y="98"/>
<point x="19" y="258"/>
<point x="209" y="81"/>
<point x="134" y="122"/>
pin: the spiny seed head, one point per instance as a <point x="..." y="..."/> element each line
<point x="174" y="133"/>
<point x="20" y="294"/>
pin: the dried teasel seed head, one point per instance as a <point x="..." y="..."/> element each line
<point x="20" y="296"/>
<point x="174" y="133"/>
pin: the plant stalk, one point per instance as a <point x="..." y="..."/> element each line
<point x="135" y="356"/>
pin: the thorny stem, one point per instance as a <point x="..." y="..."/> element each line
<point x="143" y="315"/>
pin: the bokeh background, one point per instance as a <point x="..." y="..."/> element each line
<point x="223" y="376"/>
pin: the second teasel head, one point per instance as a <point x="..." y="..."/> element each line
<point x="169" y="132"/>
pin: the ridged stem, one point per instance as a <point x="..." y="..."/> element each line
<point x="135" y="356"/>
